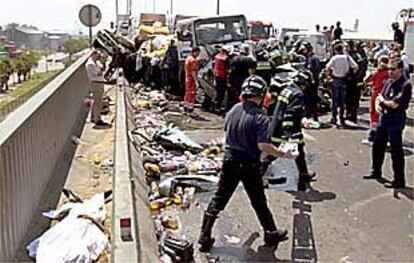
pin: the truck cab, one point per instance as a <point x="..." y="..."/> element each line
<point x="259" y="30"/>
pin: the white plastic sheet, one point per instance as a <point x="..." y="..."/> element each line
<point x="74" y="239"/>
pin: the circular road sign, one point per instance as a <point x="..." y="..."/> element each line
<point x="90" y="15"/>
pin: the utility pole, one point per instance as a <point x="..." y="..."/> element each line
<point x="116" y="11"/>
<point x="171" y="7"/>
<point x="218" y="7"/>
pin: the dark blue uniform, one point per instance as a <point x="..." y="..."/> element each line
<point x="311" y="93"/>
<point x="391" y="128"/>
<point x="246" y="125"/>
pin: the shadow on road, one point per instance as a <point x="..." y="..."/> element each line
<point x="245" y="253"/>
<point x="303" y="240"/>
<point x="407" y="192"/>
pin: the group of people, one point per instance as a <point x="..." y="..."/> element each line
<point x="332" y="33"/>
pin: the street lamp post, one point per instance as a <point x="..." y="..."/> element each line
<point x="171" y="7"/>
<point x="218" y="7"/>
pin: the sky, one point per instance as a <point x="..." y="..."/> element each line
<point x="374" y="15"/>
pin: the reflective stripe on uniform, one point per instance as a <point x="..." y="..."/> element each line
<point x="283" y="99"/>
<point x="280" y="140"/>
<point x="287" y="123"/>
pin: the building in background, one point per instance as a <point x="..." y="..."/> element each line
<point x="27" y="37"/>
<point x="56" y="39"/>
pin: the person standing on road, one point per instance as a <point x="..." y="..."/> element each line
<point x="191" y="70"/>
<point x="377" y="80"/>
<point x="221" y="67"/>
<point x="246" y="127"/>
<point x="95" y="70"/>
<point x="338" y="32"/>
<point x="398" y="34"/>
<point x="241" y="67"/>
<point x="392" y="104"/>
<point x="353" y="90"/>
<point x="286" y="125"/>
<point x="339" y="66"/>
<point x="311" y="93"/>
<point x="171" y="66"/>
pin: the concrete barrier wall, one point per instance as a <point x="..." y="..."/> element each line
<point x="32" y="139"/>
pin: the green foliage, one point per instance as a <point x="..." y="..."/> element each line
<point x="72" y="46"/>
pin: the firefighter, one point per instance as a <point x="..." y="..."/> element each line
<point x="392" y="104"/>
<point x="246" y="127"/>
<point x="241" y="67"/>
<point x="311" y="94"/>
<point x="287" y="120"/>
<point x="221" y="67"/>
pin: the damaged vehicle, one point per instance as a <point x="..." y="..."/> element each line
<point x="210" y="34"/>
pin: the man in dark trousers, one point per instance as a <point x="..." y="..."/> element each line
<point x="311" y="93"/>
<point x="353" y="90"/>
<point x="240" y="69"/>
<point x="338" y="32"/>
<point x="221" y="67"/>
<point x="392" y="103"/>
<point x="246" y="127"/>
<point x="171" y="66"/>
<point x="398" y="34"/>
<point x="286" y="125"/>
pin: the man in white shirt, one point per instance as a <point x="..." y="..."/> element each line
<point x="95" y="71"/>
<point x="339" y="66"/>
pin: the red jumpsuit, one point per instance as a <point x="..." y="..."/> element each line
<point x="191" y="65"/>
<point x="378" y="79"/>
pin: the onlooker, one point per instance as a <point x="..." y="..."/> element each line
<point x="338" y="32"/>
<point x="398" y="34"/>
<point x="191" y="70"/>
<point x="95" y="67"/>
<point x="318" y="28"/>
<point x="331" y="31"/>
<point x="339" y="66"/>
<point x="377" y="80"/>
<point x="171" y="67"/>
<point x="392" y="104"/>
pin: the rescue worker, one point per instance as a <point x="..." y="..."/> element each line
<point x="241" y="66"/>
<point x="286" y="125"/>
<point x="191" y="70"/>
<point x="398" y="34"/>
<point x="311" y="93"/>
<point x="353" y="87"/>
<point x="221" y="67"/>
<point x="246" y="127"/>
<point x="392" y="104"/>
<point x="339" y="66"/>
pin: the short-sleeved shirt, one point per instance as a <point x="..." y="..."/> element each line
<point x="246" y="126"/>
<point x="341" y="64"/>
<point x="94" y="71"/>
<point x="400" y="92"/>
<point x="191" y="65"/>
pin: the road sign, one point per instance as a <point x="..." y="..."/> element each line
<point x="90" y="15"/>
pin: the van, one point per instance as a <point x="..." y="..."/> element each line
<point x="318" y="41"/>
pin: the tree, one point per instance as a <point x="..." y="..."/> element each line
<point x="72" y="46"/>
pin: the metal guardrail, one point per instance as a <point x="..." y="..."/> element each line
<point x="32" y="139"/>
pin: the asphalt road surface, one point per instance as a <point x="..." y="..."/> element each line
<point x="343" y="218"/>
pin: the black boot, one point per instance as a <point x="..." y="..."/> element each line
<point x="206" y="241"/>
<point x="273" y="238"/>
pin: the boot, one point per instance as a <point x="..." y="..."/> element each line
<point x="373" y="176"/>
<point x="273" y="238"/>
<point x="206" y="241"/>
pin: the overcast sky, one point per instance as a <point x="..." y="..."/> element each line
<point x="374" y="15"/>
